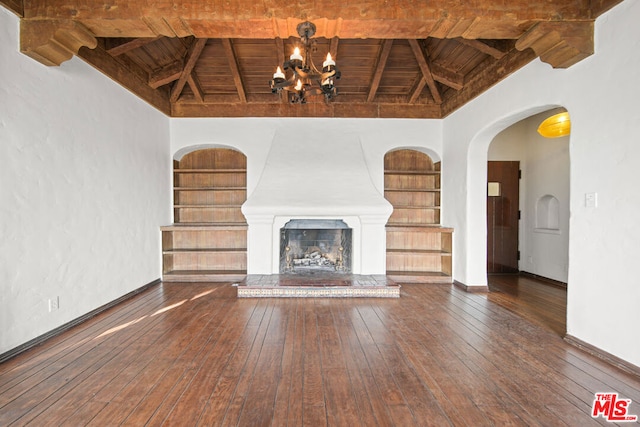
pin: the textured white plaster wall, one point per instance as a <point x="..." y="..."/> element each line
<point x="544" y="163"/>
<point x="601" y="94"/>
<point x="85" y="183"/>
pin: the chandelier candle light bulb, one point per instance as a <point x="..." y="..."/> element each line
<point x="329" y="62"/>
<point x="295" y="56"/>
<point x="278" y="74"/>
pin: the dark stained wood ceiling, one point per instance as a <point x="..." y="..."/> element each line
<point x="398" y="58"/>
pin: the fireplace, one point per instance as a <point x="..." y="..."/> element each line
<point x="309" y="246"/>
<point x="326" y="178"/>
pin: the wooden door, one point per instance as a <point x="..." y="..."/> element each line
<point x="502" y="216"/>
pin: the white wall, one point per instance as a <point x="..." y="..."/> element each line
<point x="544" y="163"/>
<point x="601" y="94"/>
<point x="85" y="184"/>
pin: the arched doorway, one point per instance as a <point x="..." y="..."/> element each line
<point x="538" y="170"/>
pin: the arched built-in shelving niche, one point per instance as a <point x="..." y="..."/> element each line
<point x="208" y="240"/>
<point x="418" y="248"/>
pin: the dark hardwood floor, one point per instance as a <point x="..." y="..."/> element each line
<point x="194" y="354"/>
<point x="535" y="300"/>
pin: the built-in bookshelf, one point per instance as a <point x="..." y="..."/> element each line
<point x="418" y="248"/>
<point x="208" y="240"/>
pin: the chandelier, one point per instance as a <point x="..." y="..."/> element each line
<point x="304" y="79"/>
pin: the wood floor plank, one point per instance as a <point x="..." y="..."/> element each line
<point x="313" y="402"/>
<point x="194" y="354"/>
<point x="237" y="401"/>
<point x="366" y="412"/>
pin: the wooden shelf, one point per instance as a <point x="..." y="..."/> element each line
<point x="418" y="277"/>
<point x="421" y="190"/>
<point x="205" y="250"/>
<point x="206" y="206"/>
<point x="411" y="172"/>
<point x="192" y="276"/>
<point x="209" y="188"/>
<point x="210" y="171"/>
<point x="420" y="251"/>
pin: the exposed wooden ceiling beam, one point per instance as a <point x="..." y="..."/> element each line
<point x="235" y="71"/>
<point x="243" y="19"/>
<point x="380" y="65"/>
<point x="447" y="77"/>
<point x="196" y="88"/>
<point x="425" y="69"/>
<point x="130" y="45"/>
<point x="315" y="109"/>
<point x="483" y="78"/>
<point x="280" y="51"/>
<point x="192" y="57"/>
<point x="114" y="68"/>
<point x="483" y="47"/>
<point x="166" y="75"/>
<point x="16" y="6"/>
<point x="333" y="47"/>
<point x="417" y="90"/>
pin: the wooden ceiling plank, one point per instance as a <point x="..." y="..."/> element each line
<point x="426" y="71"/>
<point x="196" y="88"/>
<point x="235" y="70"/>
<point x="382" y="62"/>
<point x="130" y="45"/>
<point x="166" y="75"/>
<point x="192" y="57"/>
<point x="482" y="47"/>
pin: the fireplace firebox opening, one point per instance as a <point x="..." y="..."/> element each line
<point x="310" y="246"/>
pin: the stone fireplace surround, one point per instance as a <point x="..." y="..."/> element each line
<point x="321" y="176"/>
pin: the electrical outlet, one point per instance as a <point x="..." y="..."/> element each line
<point x="591" y="200"/>
<point x="54" y="304"/>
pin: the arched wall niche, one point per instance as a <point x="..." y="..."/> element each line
<point x="548" y="213"/>
<point x="190" y="149"/>
<point x="435" y="157"/>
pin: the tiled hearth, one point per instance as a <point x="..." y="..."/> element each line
<point x="317" y="286"/>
